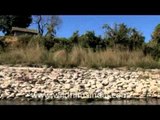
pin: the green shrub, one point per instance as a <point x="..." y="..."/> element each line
<point x="3" y="44"/>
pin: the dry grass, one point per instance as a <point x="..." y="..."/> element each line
<point x="22" y="55"/>
<point x="77" y="57"/>
<point x="110" y="58"/>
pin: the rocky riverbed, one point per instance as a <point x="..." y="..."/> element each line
<point x="29" y="83"/>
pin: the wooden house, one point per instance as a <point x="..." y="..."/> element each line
<point x="16" y="31"/>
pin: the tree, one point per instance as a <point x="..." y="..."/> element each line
<point x="41" y="23"/>
<point x="136" y="40"/>
<point x="153" y="46"/>
<point x="156" y="34"/>
<point x="47" y="23"/>
<point x="74" y="38"/>
<point x="90" y="40"/>
<point x="118" y="35"/>
<point x="9" y="21"/>
<point x="122" y="36"/>
<point x="53" y="21"/>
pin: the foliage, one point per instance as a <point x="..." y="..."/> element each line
<point x="87" y="49"/>
<point x="153" y="46"/>
<point x="9" y="21"/>
<point x="123" y="37"/>
<point x="156" y="34"/>
<point x="90" y="40"/>
<point x="75" y="37"/>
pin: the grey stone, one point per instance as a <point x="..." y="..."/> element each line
<point x="12" y="95"/>
<point x="44" y="78"/>
<point x="28" y="96"/>
<point x="111" y="79"/>
<point x="49" y="69"/>
<point x="105" y="82"/>
<point x="99" y="86"/>
<point x="108" y="97"/>
<point x="67" y="86"/>
<point x="19" y="94"/>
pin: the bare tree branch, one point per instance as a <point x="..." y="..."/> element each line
<point x="48" y="23"/>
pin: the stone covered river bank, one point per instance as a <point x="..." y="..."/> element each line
<point x="50" y="84"/>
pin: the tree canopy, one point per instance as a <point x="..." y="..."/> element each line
<point x="122" y="36"/>
<point x="9" y="21"/>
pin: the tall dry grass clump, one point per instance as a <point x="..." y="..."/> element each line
<point x="60" y="58"/>
<point x="109" y="58"/>
<point x="78" y="56"/>
<point x="29" y="55"/>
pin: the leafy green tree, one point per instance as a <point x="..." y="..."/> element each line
<point x="75" y="37"/>
<point x="156" y="34"/>
<point x="9" y="21"/>
<point x="136" y="40"/>
<point x="153" y="46"/>
<point x="118" y="35"/>
<point x="89" y="39"/>
<point x="122" y="36"/>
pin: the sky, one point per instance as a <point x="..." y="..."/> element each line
<point x="144" y="24"/>
<point x="83" y="23"/>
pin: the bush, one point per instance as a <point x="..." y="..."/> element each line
<point x="23" y="40"/>
<point x="123" y="37"/>
<point x="153" y="49"/>
<point x="3" y="44"/>
<point x="90" y="40"/>
<point x="48" y="43"/>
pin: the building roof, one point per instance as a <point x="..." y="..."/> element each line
<point x="24" y="30"/>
